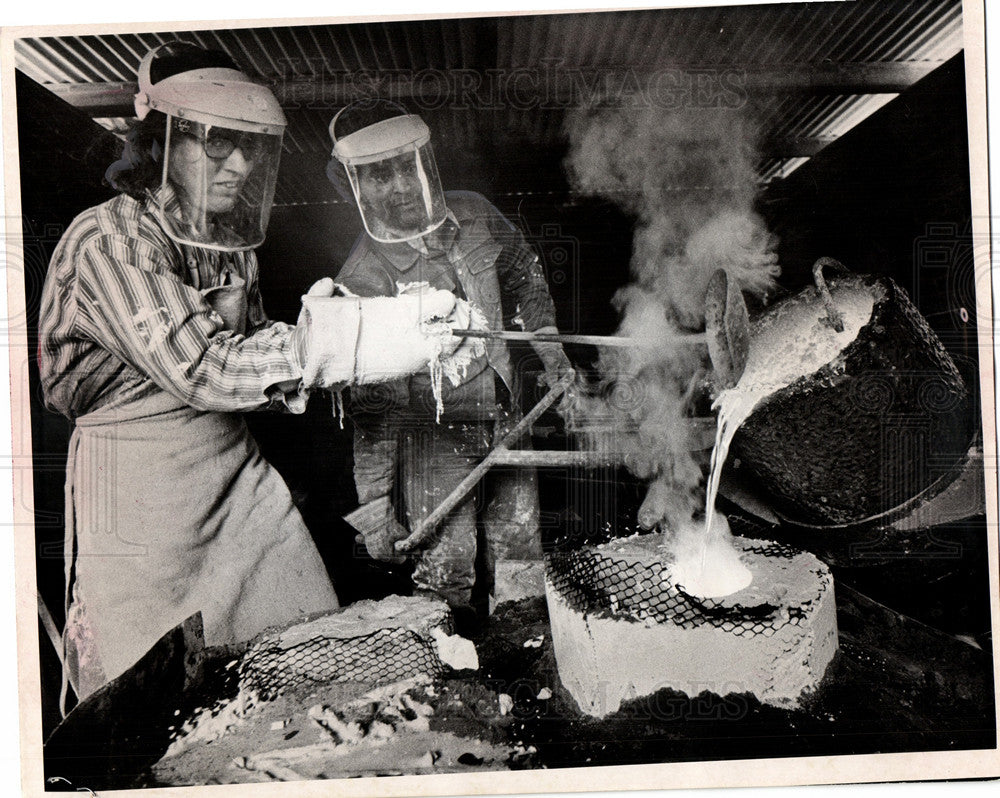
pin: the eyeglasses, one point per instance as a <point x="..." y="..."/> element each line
<point x="219" y="144"/>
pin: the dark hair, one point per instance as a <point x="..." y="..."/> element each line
<point x="141" y="165"/>
<point x="180" y="57"/>
<point x="354" y="117"/>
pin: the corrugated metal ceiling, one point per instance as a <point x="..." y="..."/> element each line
<point x="811" y="70"/>
<point x="764" y="35"/>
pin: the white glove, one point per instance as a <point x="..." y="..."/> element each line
<point x="295" y="393"/>
<point x="465" y="316"/>
<point x="323" y="287"/>
<point x="460" y="317"/>
<point x="359" y="340"/>
<point x="402" y="335"/>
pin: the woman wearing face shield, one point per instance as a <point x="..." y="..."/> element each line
<point x="153" y="338"/>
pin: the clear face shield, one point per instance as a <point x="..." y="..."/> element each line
<point x="218" y="184"/>
<point x="394" y="177"/>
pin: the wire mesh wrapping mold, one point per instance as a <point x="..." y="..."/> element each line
<point x="773" y="639"/>
<point x="372" y="642"/>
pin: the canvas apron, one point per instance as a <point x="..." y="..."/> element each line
<point x="171" y="511"/>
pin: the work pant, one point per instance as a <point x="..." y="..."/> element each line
<point x="497" y="520"/>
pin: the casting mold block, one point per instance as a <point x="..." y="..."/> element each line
<point x="622" y="630"/>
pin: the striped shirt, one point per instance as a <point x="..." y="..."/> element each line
<point x="122" y="317"/>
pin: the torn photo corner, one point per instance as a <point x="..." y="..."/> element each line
<point x="754" y="544"/>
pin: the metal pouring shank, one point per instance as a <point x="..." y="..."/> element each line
<point x="869" y="430"/>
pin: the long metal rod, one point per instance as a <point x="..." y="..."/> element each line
<point x="573" y="338"/>
<point x="548" y="457"/>
<point x="423" y="530"/>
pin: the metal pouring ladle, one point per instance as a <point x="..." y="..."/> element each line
<point x="727" y="326"/>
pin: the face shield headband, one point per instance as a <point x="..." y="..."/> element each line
<point x="394" y="178"/>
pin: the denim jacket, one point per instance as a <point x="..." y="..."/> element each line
<point x="495" y="268"/>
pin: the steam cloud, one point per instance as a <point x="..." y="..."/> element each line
<point x="689" y="177"/>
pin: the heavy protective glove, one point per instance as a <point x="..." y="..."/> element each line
<point x="378" y="529"/>
<point x="294" y="393"/>
<point x="360" y="340"/>
<point x="556" y="366"/>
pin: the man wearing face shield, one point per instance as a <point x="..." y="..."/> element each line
<point x="405" y="463"/>
<point x="153" y="338"/>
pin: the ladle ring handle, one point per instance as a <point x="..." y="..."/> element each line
<point x="834" y="318"/>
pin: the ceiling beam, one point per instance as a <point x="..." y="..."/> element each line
<point x="97" y="99"/>
<point x="878" y="77"/>
<point x="548" y="86"/>
<point x="794" y="146"/>
<point x="104" y="102"/>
